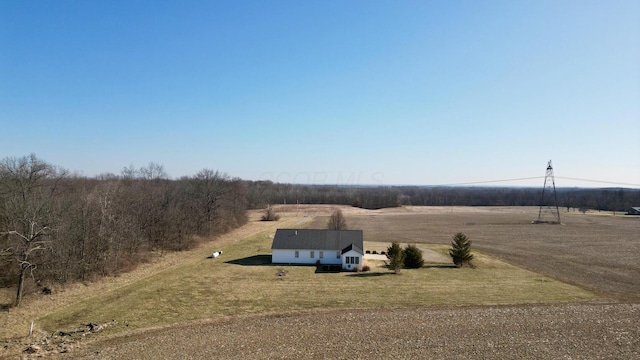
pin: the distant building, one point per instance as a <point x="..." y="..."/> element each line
<point x="308" y="246"/>
<point x="634" y="211"/>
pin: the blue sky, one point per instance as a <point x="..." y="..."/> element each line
<point x="349" y="92"/>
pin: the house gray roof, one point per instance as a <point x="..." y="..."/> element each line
<point x="634" y="210"/>
<point x="354" y="248"/>
<point x="317" y="239"/>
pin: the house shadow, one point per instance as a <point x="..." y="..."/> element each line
<point x="371" y="274"/>
<point x="255" y="260"/>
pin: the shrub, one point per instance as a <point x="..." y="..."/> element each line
<point x="395" y="254"/>
<point x="413" y="257"/>
<point x="366" y="268"/>
<point x="270" y="214"/>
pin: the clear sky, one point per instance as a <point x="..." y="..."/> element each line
<point x="327" y="91"/>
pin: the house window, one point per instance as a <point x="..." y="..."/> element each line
<point x="346" y="260"/>
<point x="321" y="255"/>
<point x="313" y="254"/>
<point x="337" y="254"/>
<point x="357" y="260"/>
<point x="297" y="254"/>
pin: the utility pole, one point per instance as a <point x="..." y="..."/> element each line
<point x="549" y="213"/>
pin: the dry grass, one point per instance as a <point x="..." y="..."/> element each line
<point x="187" y="287"/>
<point x="15" y="321"/>
<point x="210" y="289"/>
<point x="243" y="282"/>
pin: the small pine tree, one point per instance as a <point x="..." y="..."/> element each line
<point x="460" y="250"/>
<point x="395" y="254"/>
<point x="413" y="257"/>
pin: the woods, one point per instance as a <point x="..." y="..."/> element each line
<point x="377" y="197"/>
<point x="59" y="227"/>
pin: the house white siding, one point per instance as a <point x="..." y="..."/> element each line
<point x="286" y="256"/>
<point x="310" y="246"/>
<point x="351" y="260"/>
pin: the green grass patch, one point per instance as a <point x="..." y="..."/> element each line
<point x="242" y="281"/>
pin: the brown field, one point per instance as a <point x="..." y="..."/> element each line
<point x="516" y="315"/>
<point x="573" y="331"/>
<point x="595" y="250"/>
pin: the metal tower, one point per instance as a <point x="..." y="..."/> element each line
<point x="549" y="213"/>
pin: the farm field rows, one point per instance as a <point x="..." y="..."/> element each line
<point x="568" y="331"/>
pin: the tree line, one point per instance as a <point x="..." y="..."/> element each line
<point x="376" y="197"/>
<point x="62" y="227"/>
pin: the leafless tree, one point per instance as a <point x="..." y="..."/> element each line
<point x="337" y="221"/>
<point x="207" y="191"/>
<point x="66" y="228"/>
<point x="270" y="214"/>
<point x="153" y="171"/>
<point x="28" y="187"/>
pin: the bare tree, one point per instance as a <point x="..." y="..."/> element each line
<point x="337" y="221"/>
<point x="28" y="187"/>
<point x="129" y="172"/>
<point x="153" y="171"/>
<point x="270" y="214"/>
<point x="208" y="189"/>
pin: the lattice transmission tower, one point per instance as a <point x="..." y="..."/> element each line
<point x="549" y="213"/>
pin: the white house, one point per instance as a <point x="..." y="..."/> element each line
<point x="634" y="211"/>
<point x="308" y="246"/>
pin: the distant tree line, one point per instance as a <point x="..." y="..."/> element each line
<point x="370" y="197"/>
<point x="61" y="227"/>
<point x="262" y="193"/>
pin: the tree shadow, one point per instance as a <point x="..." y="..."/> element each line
<point x="255" y="260"/>
<point x="438" y="266"/>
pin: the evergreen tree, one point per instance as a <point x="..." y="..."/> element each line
<point x="460" y="250"/>
<point x="395" y="254"/>
<point x="413" y="257"/>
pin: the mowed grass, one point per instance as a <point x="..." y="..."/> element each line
<point x="242" y="281"/>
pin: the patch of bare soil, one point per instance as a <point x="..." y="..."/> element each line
<point x="577" y="331"/>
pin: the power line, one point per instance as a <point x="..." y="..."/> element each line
<point x="598" y="181"/>
<point x="492" y="181"/>
<point x="538" y="177"/>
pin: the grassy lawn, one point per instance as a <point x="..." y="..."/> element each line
<point x="242" y="281"/>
